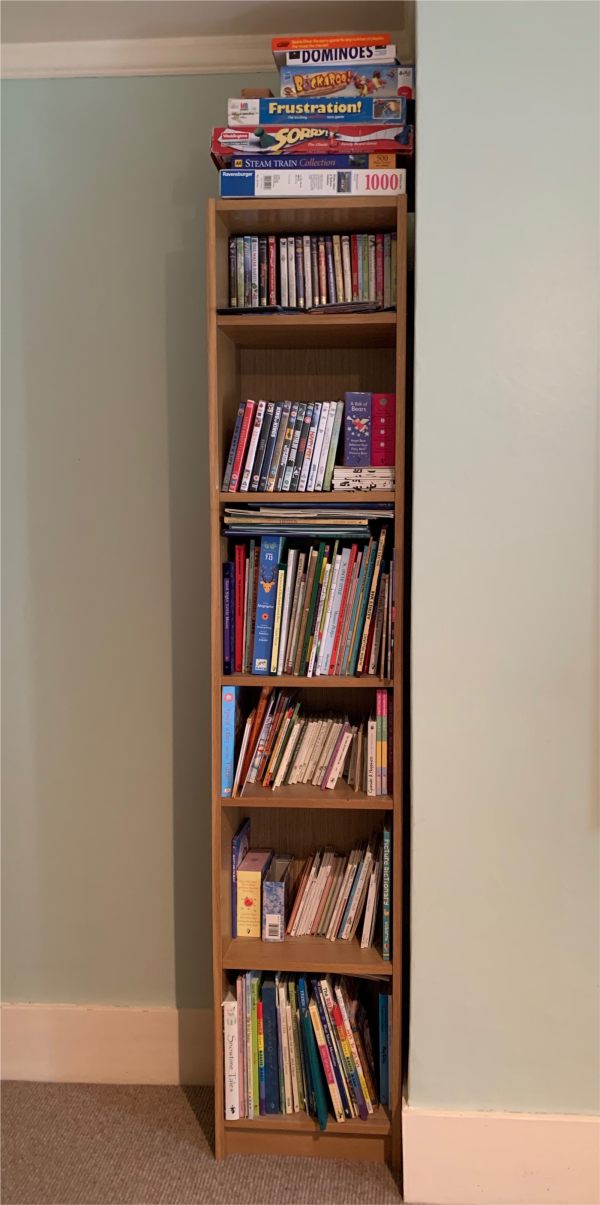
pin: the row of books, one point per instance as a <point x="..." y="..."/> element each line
<point x="326" y="609"/>
<point x="307" y="272"/>
<point x="292" y="446"/>
<point x="326" y="895"/>
<point x="281" y="744"/>
<point x="297" y="1044"/>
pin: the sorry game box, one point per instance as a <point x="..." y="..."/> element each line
<point x="229" y="141"/>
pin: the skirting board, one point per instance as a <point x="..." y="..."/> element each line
<point x="500" y="1158"/>
<point x="68" y="1043"/>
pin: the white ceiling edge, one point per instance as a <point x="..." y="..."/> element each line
<point x="141" y="56"/>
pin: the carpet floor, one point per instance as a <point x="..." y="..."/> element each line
<point x="95" y="1144"/>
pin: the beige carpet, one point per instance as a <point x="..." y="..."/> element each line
<point x="74" y="1144"/>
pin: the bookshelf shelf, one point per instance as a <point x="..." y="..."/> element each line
<point x="303" y="356"/>
<point x="310" y="954"/>
<point x="305" y="795"/>
<point x="344" y="496"/>
<point x="309" y="330"/>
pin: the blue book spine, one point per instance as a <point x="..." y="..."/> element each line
<point x="386" y="899"/>
<point x="228" y="596"/>
<point x="364" y="602"/>
<point x="239" y="848"/>
<point x="384" y="1087"/>
<point x="271" y="1045"/>
<point x="300" y="110"/>
<point x="357" y="429"/>
<point x="270" y="554"/>
<point x="229" y="716"/>
<point x="234" y="443"/>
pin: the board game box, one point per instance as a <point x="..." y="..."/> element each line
<point x="360" y="79"/>
<point x="228" y="142"/>
<point x="298" y="110"/>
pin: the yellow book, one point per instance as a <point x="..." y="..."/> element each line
<point x="277" y="622"/>
<point x="249" y="879"/>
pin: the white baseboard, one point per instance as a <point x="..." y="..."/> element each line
<point x="500" y="1158"/>
<point x="67" y="1043"/>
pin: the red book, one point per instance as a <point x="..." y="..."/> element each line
<point x="340" y="622"/>
<point x="272" y="270"/>
<point x="240" y="581"/>
<point x="354" y="263"/>
<point x="383" y="428"/>
<point x="379" y="268"/>
<point x="240" y="455"/>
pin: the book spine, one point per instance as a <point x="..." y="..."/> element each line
<point x="308" y="293"/>
<point x="286" y="446"/>
<point x="331" y="1042"/>
<point x="314" y="467"/>
<point x="365" y="294"/>
<point x="310" y="445"/>
<point x="274" y="466"/>
<point x="271" y="441"/>
<point x="271" y="289"/>
<point x="262" y="270"/>
<point x="384" y="742"/>
<point x="314" y="268"/>
<point x="347" y="267"/>
<point x="270" y="1047"/>
<point x="236" y="471"/>
<point x="241" y="1018"/>
<point x="265" y="604"/>
<point x="262" y="1088"/>
<point x="240" y="573"/>
<point x="372" y="269"/>
<point x="322" y="270"/>
<point x="302" y="441"/>
<point x="299" y="269"/>
<point x="320" y="476"/>
<point x="247" y="271"/>
<point x="371" y="756"/>
<point x="323" y="1049"/>
<point x="333" y="445"/>
<point x="228" y="588"/>
<point x="229" y="705"/>
<point x="331" y="289"/>
<point x="262" y="445"/>
<point x="277" y="620"/>
<point x="231" y="1056"/>
<point x="254" y="265"/>
<point x="338" y="268"/>
<point x="379" y="269"/>
<point x="291" y="246"/>
<point x="233" y="446"/>
<point x="283" y="271"/>
<point x="232" y="272"/>
<point x="285" y="1050"/>
<point x="252" y="1104"/>
<point x="239" y="266"/>
<point x="387" y="892"/>
<point x="387" y="271"/>
<point x="354" y="1048"/>
<point x="368" y="615"/>
<point x="254" y="991"/>
<point x="354" y="266"/>
<point x="394" y="268"/>
<point x="383" y="1049"/>
<point x="291" y="464"/>
<point x="350" y="1066"/>
<point x="252" y="446"/>
<point x="287" y="602"/>
<point x="293" y="1067"/>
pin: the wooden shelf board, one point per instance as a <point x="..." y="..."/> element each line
<point x="308" y="954"/>
<point x="313" y="498"/>
<point x="305" y="795"/>
<point x="312" y="214"/>
<point x="348" y="683"/>
<point x="309" y="330"/>
<point x="377" y="1123"/>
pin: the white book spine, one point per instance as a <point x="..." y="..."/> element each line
<point x="258" y="422"/>
<point x="358" y="897"/>
<point x="291" y="243"/>
<point x="316" y="893"/>
<point x="300" y="756"/>
<point x="336" y="603"/>
<point x="343" y="895"/>
<point x="327" y="616"/>
<point x="314" y="751"/>
<point x="314" y="466"/>
<point x="293" y="1067"/>
<point x="290" y="577"/>
<point x="289" y="753"/>
<point x="298" y="923"/>
<point x="230" y="1048"/>
<point x="325" y="447"/>
<point x="326" y="752"/>
<point x="285" y="1049"/>
<point x="366" y="929"/>
<point x="283" y="270"/>
<point x="338" y="764"/>
<point x="308" y="454"/>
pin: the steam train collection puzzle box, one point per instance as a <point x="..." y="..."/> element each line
<point x="229" y="142"/>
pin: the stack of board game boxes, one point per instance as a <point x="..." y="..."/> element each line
<point x="342" y="124"/>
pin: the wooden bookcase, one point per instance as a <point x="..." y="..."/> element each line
<point x="302" y="356"/>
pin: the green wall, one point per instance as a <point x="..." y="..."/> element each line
<point x="106" y="800"/>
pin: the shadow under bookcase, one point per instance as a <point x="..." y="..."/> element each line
<point x="303" y="356"/>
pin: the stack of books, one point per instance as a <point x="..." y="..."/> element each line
<point x="297" y="1044"/>
<point x="283" y="446"/>
<point x="326" y="895"/>
<point x="326" y="608"/>
<point x="341" y="125"/>
<point x="280" y="743"/>
<point x="313" y="272"/>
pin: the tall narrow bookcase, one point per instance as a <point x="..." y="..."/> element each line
<point x="303" y="356"/>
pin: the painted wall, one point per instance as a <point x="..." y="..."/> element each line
<point x="505" y="878"/>
<point x="106" y="864"/>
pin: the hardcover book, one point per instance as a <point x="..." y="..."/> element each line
<point x="239" y="848"/>
<point x="270" y="554"/>
<point x="357" y="429"/>
<point x="250" y="874"/>
<point x="230" y="726"/>
<point x="276" y="893"/>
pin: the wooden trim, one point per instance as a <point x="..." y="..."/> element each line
<point x="140" y="56"/>
<point x="486" y="1158"/>
<point x="70" y="1043"/>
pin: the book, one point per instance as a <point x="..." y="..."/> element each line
<point x="387" y="892"/>
<point x="230" y="726"/>
<point x="233" y="446"/>
<point x="239" y="255"/>
<point x="230" y="187"/>
<point x="270" y="553"/>
<point x="276" y="893"/>
<point x="240" y="845"/>
<point x="346" y="181"/>
<point x="321" y="110"/>
<point x="383" y="429"/>
<point x="232" y="272"/>
<point x="240" y="453"/>
<point x="252" y="446"/>
<point x="228" y="617"/>
<point x="230" y="1047"/>
<point x="268" y="992"/>
<point x="250" y="874"/>
<point x="357" y="429"/>
<point x="262" y="446"/>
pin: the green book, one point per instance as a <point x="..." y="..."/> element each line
<point x="311" y="609"/>
<point x="316" y="1075"/>
<point x="364" y="598"/>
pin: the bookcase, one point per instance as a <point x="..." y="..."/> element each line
<point x="308" y="356"/>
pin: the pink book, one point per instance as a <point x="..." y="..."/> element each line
<point x="383" y="428"/>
